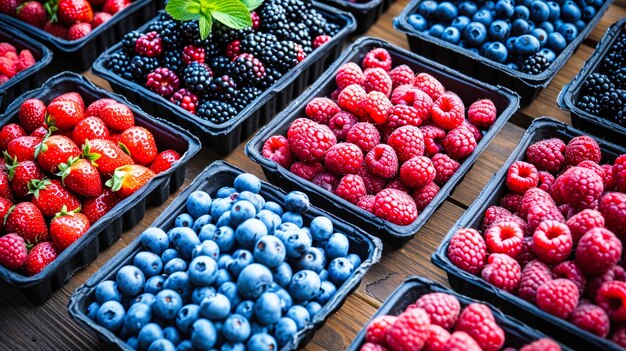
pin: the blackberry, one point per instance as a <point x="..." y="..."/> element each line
<point x="170" y="35"/>
<point x="164" y="16"/>
<point x="129" y="40"/>
<point x="620" y="117"/>
<point x="535" y="64"/>
<point x="119" y="63"/>
<point x="316" y="23"/>
<point x="220" y="65"/>
<point x="597" y="83"/>
<point x="173" y="60"/>
<point x="619" y="78"/>
<point x="155" y="27"/>
<point x="590" y="104"/>
<point x="224" y="35"/>
<point x="216" y="112"/>
<point x="254" y="43"/>
<point x="331" y="29"/>
<point x="299" y="34"/>
<point x="273" y="18"/>
<point x="612" y="62"/>
<point x="245" y="96"/>
<point x="211" y="47"/>
<point x="248" y="69"/>
<point x="197" y="78"/>
<point x="282" y="56"/>
<point x="190" y="33"/>
<point x="296" y="10"/>
<point x="223" y="89"/>
<point x="612" y="101"/>
<point x="140" y="66"/>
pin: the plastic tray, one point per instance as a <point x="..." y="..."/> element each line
<point x="366" y="13"/>
<point x="596" y="125"/>
<point x="126" y="214"/>
<point x="474" y="286"/>
<point x="528" y="86"/>
<point x="225" y="137"/>
<point x="215" y="176"/>
<point x="30" y="78"/>
<point x="78" y="55"/>
<point x="467" y="88"/>
<point x="517" y="333"/>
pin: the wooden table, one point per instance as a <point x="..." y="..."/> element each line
<point x="49" y="327"/>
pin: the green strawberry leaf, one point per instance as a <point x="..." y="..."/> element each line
<point x="252" y="4"/>
<point x="184" y="10"/>
<point x="231" y="13"/>
<point x="205" y="23"/>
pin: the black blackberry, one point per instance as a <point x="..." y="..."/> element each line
<point x="619" y="78"/>
<point x="620" y="117"/>
<point x="155" y="27"/>
<point x="612" y="101"/>
<point x="590" y="104"/>
<point x="140" y="66"/>
<point x="597" y="83"/>
<point x="220" y="65"/>
<point x="254" y="43"/>
<point x="535" y="64"/>
<point x="170" y="35"/>
<point x="164" y="16"/>
<point x="129" y="40"/>
<point x="223" y="89"/>
<point x="299" y="34"/>
<point x="119" y="63"/>
<point x="296" y="10"/>
<point x="224" y="35"/>
<point x="197" y="77"/>
<point x="245" y="96"/>
<point x="273" y="18"/>
<point x="173" y="60"/>
<point x="190" y="33"/>
<point x="247" y="69"/>
<point x="211" y="47"/>
<point x="216" y="112"/>
<point x="316" y="23"/>
<point x="612" y="62"/>
<point x="282" y="56"/>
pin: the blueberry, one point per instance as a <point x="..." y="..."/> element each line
<point x="225" y="192"/>
<point x="223" y="276"/>
<point x="203" y="334"/>
<point x="267" y="309"/>
<point x="241" y="211"/>
<point x="337" y="246"/>
<point x="300" y="315"/>
<point x="149" y="263"/>
<point x="186" y="317"/>
<point x="526" y="3"/>
<point x="257" y="328"/>
<point x="253" y="281"/>
<point x="521" y="12"/>
<point x="92" y="310"/>
<point x="451" y="35"/>
<point x="220" y="206"/>
<point x="133" y="342"/>
<point x="558" y="23"/>
<point x="224" y="261"/>
<point x="273" y="207"/>
<point x="200" y="222"/>
<point x="185" y="240"/>
<point x="428" y="9"/>
<point x="520" y="27"/>
<point x="284" y="230"/>
<point x="570" y="12"/>
<point x="327" y="291"/>
<point x="292" y="217"/>
<point x="138" y="315"/>
<point x="146" y="298"/>
<point x="172" y="334"/>
<point x="233" y="347"/>
<point x="313" y="308"/>
<point x="475" y="33"/>
<point x="185" y="345"/>
<point x="489" y="5"/>
<point x="483" y="16"/>
<point x="460" y="22"/>
<point x="169" y="255"/>
<point x="285" y="300"/>
<point x="107" y="291"/>
<point x="304" y="286"/>
<point x="355" y="259"/>
<point x="588" y="12"/>
<point x="207" y="232"/>
<point x="149" y="334"/>
<point x="436" y="30"/>
<point x="225" y="238"/>
<point x="111" y="315"/>
<point x="130" y="280"/>
<point x="199" y="203"/>
<point x="207" y="248"/>
<point x="580" y="25"/>
<point x="446" y="11"/>
<point x="184" y="220"/>
<point x="261" y="342"/>
<point x="555" y="11"/>
<point x="467" y="8"/>
<point x="285" y="330"/>
<point x="539" y="11"/>
<point x="282" y="274"/>
<point x="167" y="304"/>
<point x="236" y="328"/>
<point x="297" y="201"/>
<point x="175" y="265"/>
<point x="510" y="45"/>
<point x="245" y="308"/>
<point x="215" y="307"/>
<point x="249" y="232"/>
<point x="241" y="259"/>
<point x="547" y="26"/>
<point x="270" y="219"/>
<point x="569" y="31"/>
<point x="499" y="30"/>
<point x="417" y="21"/>
<point x="314" y="259"/>
<point x="162" y="345"/>
<point x="229" y="289"/>
<point x="155" y="240"/>
<point x="339" y="270"/>
<point x="257" y="200"/>
<point x="504" y="8"/>
<point x="323" y="275"/>
<point x="247" y="182"/>
<point x="199" y="293"/>
<point x="541" y="35"/>
<point x="527" y="45"/>
<point x="297" y="244"/>
<point x="269" y="251"/>
<point x="548" y="54"/>
<point x="203" y="270"/>
<point x="224" y="220"/>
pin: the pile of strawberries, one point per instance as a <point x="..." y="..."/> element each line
<point x="67" y="166"/>
<point x="386" y="140"/>
<point x="438" y="322"/>
<point x="556" y="240"/>
<point x="66" y="19"/>
<point x="12" y="63"/>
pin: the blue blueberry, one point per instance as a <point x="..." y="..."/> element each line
<point x="203" y="334"/>
<point x="337" y="246"/>
<point x="224" y="261"/>
<point x="555" y="11"/>
<point x="225" y="191"/>
<point x="323" y="275"/>
<point x="451" y="35"/>
<point x="417" y="21"/>
<point x="321" y="228"/>
<point x="285" y="300"/>
<point x="184" y="220"/>
<point x="284" y="230"/>
<point x="569" y="31"/>
<point x="460" y="22"/>
<point x="236" y="328"/>
<point x="253" y="281"/>
<point x="233" y="347"/>
<point x="270" y="219"/>
<point x="223" y="276"/>
<point x="300" y="315"/>
<point x="558" y="23"/>
<point x="556" y="42"/>
<point x="282" y="274"/>
<point x="215" y="307"/>
<point x="162" y="345"/>
<point x="111" y="315"/>
<point x="327" y="291"/>
<point x="527" y="45"/>
<point x="292" y="217"/>
<point x="133" y="342"/>
<point x="505" y="8"/>
<point x="588" y="12"/>
<point x="175" y="265"/>
<point x="146" y="298"/>
<point x="92" y="310"/>
<point x="267" y="309"/>
<point x="241" y="211"/>
<point x="539" y="11"/>
<point x="547" y="26"/>
<point x="225" y="238"/>
<point x="510" y="45"/>
<point x="313" y="308"/>
<point x="223" y="220"/>
<point x="172" y="334"/>
<point x="520" y="27"/>
<point x="436" y="30"/>
<point x="548" y="54"/>
<point x="207" y="248"/>
<point x="155" y="240"/>
<point x="273" y="207"/>
<point x="257" y="200"/>
<point x="199" y="293"/>
<point x="314" y="259"/>
<point x="247" y="182"/>
<point x="249" y="232"/>
<point x="229" y="289"/>
<point x="580" y="25"/>
<point x="203" y="270"/>
<point x="187" y="316"/>
<point x="241" y="259"/>
<point x="467" y="8"/>
<point x="220" y="206"/>
<point x="446" y="11"/>
<point x="297" y="244"/>
<point x="428" y="9"/>
<point x="138" y="315"/>
<point x="107" y="291"/>
<point x="304" y="286"/>
<point x="499" y="30"/>
<point x="297" y="201"/>
<point x="355" y="259"/>
<point x="521" y="12"/>
<point x="199" y="203"/>
<point x="245" y="308"/>
<point x="185" y="240"/>
<point x="130" y="280"/>
<point x="285" y="330"/>
<point x="149" y="334"/>
<point x="269" y="251"/>
<point x="168" y="255"/>
<point x="167" y="304"/>
<point x="541" y="35"/>
<point x="257" y="328"/>
<point x="206" y="232"/>
<point x="489" y="5"/>
<point x="200" y="222"/>
<point x="570" y="12"/>
<point x="483" y="16"/>
<point x="339" y="270"/>
<point x="475" y="33"/>
<point x="149" y="263"/>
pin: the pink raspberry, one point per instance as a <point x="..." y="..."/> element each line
<point x="367" y="203"/>
<point x="570" y="270"/>
<point x="547" y="155"/>
<point x="461" y="341"/>
<point x="493" y="213"/>
<point x="341" y="123"/>
<point x="350" y="98"/>
<point x="348" y="74"/>
<point x="436" y="339"/>
<point x="448" y="111"/>
<point x="521" y="177"/>
<point x="583" y="221"/>
<point x="459" y="143"/>
<point x="309" y="140"/>
<point x="430" y="85"/>
<point x="401" y="95"/>
<point x="478" y="135"/>
<point x="433" y="139"/>
<point x="504" y="237"/>
<point x="612" y="299"/>
<point x="443" y="309"/>
<point x="545" y="181"/>
<point x="407" y="142"/>
<point x="582" y="148"/>
<point x="364" y="135"/>
<point x="395" y="206"/>
<point x="609" y="180"/>
<point x="445" y="168"/>
<point x="326" y="180"/>
<point x="424" y="195"/>
<point x="619" y="173"/>
<point x="527" y="253"/>
<point x="478" y="322"/>
<point x="373" y="184"/>
<point x="368" y="346"/>
<point x="613" y="208"/>
<point x="321" y="110"/>
<point x="413" y="97"/>
<point x="317" y="41"/>
<point x="408" y="332"/>
<point x="482" y="113"/>
<point x="382" y="161"/>
<point x="277" y="149"/>
<point x="619" y="336"/>
<point x="540" y="212"/>
<point x="532" y="197"/>
<point x="344" y="158"/>
<point x="595" y="283"/>
<point x="397" y="184"/>
<point x="591" y="318"/>
<point x="534" y="274"/>
<point x="542" y="345"/>
<point x="307" y="170"/>
<point x="377" y="58"/>
<point x="511" y="201"/>
<point x="403" y="115"/>
<point x="377" y="106"/>
<point x="594" y="167"/>
<point x="467" y="250"/>
<point x="580" y="187"/>
<point x="351" y="188"/>
<point x="552" y="242"/>
<point x="377" y="79"/>
<point x="417" y="172"/>
<point x="598" y="250"/>
<point x="401" y="75"/>
<point x="503" y="272"/>
<point x="559" y="297"/>
<point x="376" y="331"/>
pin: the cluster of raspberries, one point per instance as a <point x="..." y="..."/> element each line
<point x="386" y="140"/>
<point x="438" y="322"/>
<point x="556" y="239"/>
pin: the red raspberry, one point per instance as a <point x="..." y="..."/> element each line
<point x="583" y="221"/>
<point x="408" y="142"/>
<point x="619" y="173"/>
<point x="433" y="139"/>
<point x="163" y="81"/>
<point x="613" y="208"/>
<point x="527" y="253"/>
<point x="401" y="95"/>
<point x="540" y="212"/>
<point x="413" y="97"/>
<point x="619" y="336"/>
<point x="478" y="322"/>
<point x="377" y="58"/>
<point x="444" y="167"/>
<point x="614" y="273"/>
<point x="185" y="99"/>
<point x="580" y="187"/>
<point x="609" y="180"/>
<point x="306" y="170"/>
<point x="373" y="184"/>
<point x="598" y="250"/>
<point x="570" y="270"/>
<point x="448" y="111"/>
<point x="503" y="272"/>
<point x="559" y="297"/>
<point x="430" y="85"/>
<point x="196" y="54"/>
<point x="522" y="176"/>
<point x="594" y="167"/>
<point x="461" y="341"/>
<point x="542" y="345"/>
<point x="478" y="135"/>
<point x="401" y="75"/>
<point x="443" y="309"/>
<point x="326" y="180"/>
<point x="377" y="79"/>
<point x="321" y="110"/>
<point x="547" y="155"/>
<point x="408" y="332"/>
<point x="545" y="181"/>
<point x="493" y="213"/>
<point x="367" y="203"/>
<point x="534" y="274"/>
<point x="277" y="149"/>
<point x="341" y="123"/>
<point x="348" y="74"/>
<point x="417" y="172"/>
<point x="350" y="98"/>
<point x="368" y="346"/>
<point x="532" y="197"/>
<point x="12" y="251"/>
<point x="351" y="188"/>
<point x="511" y="201"/>
<point x="459" y="143"/>
<point x="149" y="44"/>
<point x="552" y="242"/>
<point x="482" y="113"/>
<point x="395" y="206"/>
<point x="377" y="106"/>
<point x="382" y="161"/>
<point x="321" y="40"/>
<point x="309" y="140"/>
<point x="376" y="331"/>
<point x="504" y="237"/>
<point x="344" y="158"/>
<point x="436" y="339"/>
<point x="591" y="318"/>
<point x="397" y="184"/>
<point x="364" y="135"/>
<point x="612" y="298"/>
<point x="467" y="250"/>
<point x="424" y="195"/>
<point x="403" y="115"/>
<point x="582" y="148"/>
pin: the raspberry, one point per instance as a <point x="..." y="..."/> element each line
<point x="344" y="158"/>
<point x="320" y="40"/>
<point x="443" y="309"/>
<point x="149" y="44"/>
<point x="348" y="74"/>
<point x="467" y="250"/>
<point x="547" y="155"/>
<point x="364" y="135"/>
<point x="613" y="208"/>
<point x="367" y="203"/>
<point x="596" y="168"/>
<point x="193" y="53"/>
<point x="417" y="172"/>
<point x="503" y="272"/>
<point x="612" y="298"/>
<point x="541" y="212"/>
<point x="614" y="273"/>
<point x="368" y="346"/>
<point x="598" y="250"/>
<point x="448" y="111"/>
<point x="609" y="180"/>
<point x="459" y="143"/>
<point x="377" y="58"/>
<point x="580" y="187"/>
<point x="401" y="75"/>
<point x="341" y="123"/>
<point x="559" y="297"/>
<point x="408" y="332"/>
<point x="542" y="345"/>
<point x="402" y="95"/>
<point x="493" y="213"/>
<point x="376" y="331"/>
<point x="411" y="96"/>
<point x="570" y="270"/>
<point x="430" y="85"/>
<point x="444" y="167"/>
<point x="582" y="148"/>
<point x="395" y="206"/>
<point x="527" y="253"/>
<point x="350" y="98"/>
<point x="185" y="99"/>
<point x="377" y="106"/>
<point x="397" y="184"/>
<point x="619" y="336"/>
<point x="12" y="251"/>
<point x="460" y="341"/>
<point x="531" y="197"/>
<point x="436" y="339"/>
<point x="504" y="237"/>
<point x="583" y="221"/>
<point x="424" y="195"/>
<point x="408" y="142"/>
<point x="521" y="177"/>
<point x="552" y="242"/>
<point x="482" y="113"/>
<point x="326" y="180"/>
<point x="309" y="140"/>
<point x="619" y="173"/>
<point x="377" y="79"/>
<point x="478" y="135"/>
<point x="277" y="149"/>
<point x="534" y="274"/>
<point x="511" y="201"/>
<point x="433" y="139"/>
<point x="545" y="181"/>
<point x="321" y="110"/>
<point x="373" y="184"/>
<point x="591" y="318"/>
<point x="382" y="161"/>
<point x="478" y="322"/>
<point x="306" y="170"/>
<point x="403" y="115"/>
<point x="163" y="81"/>
<point x="351" y="188"/>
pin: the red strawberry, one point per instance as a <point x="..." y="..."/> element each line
<point x="115" y="137"/>
<point x="95" y="108"/>
<point x="72" y="96"/>
<point x="106" y="155"/>
<point x="50" y="196"/>
<point x="23" y="148"/>
<point x="21" y="173"/>
<point x="5" y="205"/>
<point x="72" y="11"/>
<point x="118" y="117"/>
<point x="164" y="161"/>
<point x="81" y="177"/>
<point x="32" y="114"/>
<point x="39" y="257"/>
<point x="39" y="132"/>
<point x="78" y="31"/>
<point x="9" y="132"/>
<point x="128" y="179"/>
<point x="140" y="144"/>
<point x="99" y="18"/>
<point x="12" y="251"/>
<point x="96" y="207"/>
<point x="54" y="150"/>
<point x="56" y="29"/>
<point x="5" y="187"/>
<point x="25" y="219"/>
<point x="33" y="13"/>
<point x="67" y="227"/>
<point x="90" y="128"/>
<point x="115" y="6"/>
<point x="9" y="7"/>
<point x="64" y="114"/>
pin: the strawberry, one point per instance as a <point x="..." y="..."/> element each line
<point x="78" y="30"/>
<point x="5" y="187"/>
<point x="9" y="7"/>
<point x="39" y="132"/>
<point x="39" y="257"/>
<point x="25" y="219"/>
<point x="23" y="148"/>
<point x="106" y="155"/>
<point x="5" y="205"/>
<point x="71" y="96"/>
<point x="115" y="137"/>
<point x="24" y="60"/>
<point x="32" y="114"/>
<point x="33" y="13"/>
<point x="100" y="18"/>
<point x="73" y="11"/>
<point x="12" y="251"/>
<point x="56" y="29"/>
<point x="54" y="150"/>
<point x="90" y="128"/>
<point x="21" y="173"/>
<point x="140" y="144"/>
<point x="81" y="177"/>
<point x="164" y="161"/>
<point x="64" y="114"/>
<point x="95" y="108"/>
<point x="66" y="227"/>
<point x="115" y="6"/>
<point x="118" y="117"/>
<point x="96" y="207"/>
<point x="128" y="179"/>
<point x="50" y="196"/>
<point x="9" y="132"/>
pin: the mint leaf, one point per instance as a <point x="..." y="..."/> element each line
<point x="183" y="10"/>
<point x="252" y="4"/>
<point x="205" y="23"/>
<point x="232" y="13"/>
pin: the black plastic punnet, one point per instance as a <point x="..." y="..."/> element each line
<point x="366" y="13"/>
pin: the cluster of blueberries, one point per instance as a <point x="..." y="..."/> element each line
<point x="506" y="31"/>
<point x="234" y="273"/>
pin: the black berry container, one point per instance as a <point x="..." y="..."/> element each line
<point x="517" y="333"/>
<point x="29" y="78"/>
<point x="365" y="12"/>
<point x="600" y="126"/>
<point x="476" y="287"/>
<point x="469" y="89"/>
<point x="528" y="86"/>
<point x="215" y="176"/>
<point x="108" y="229"/>
<point x="225" y="137"/>
<point x="78" y="55"/>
